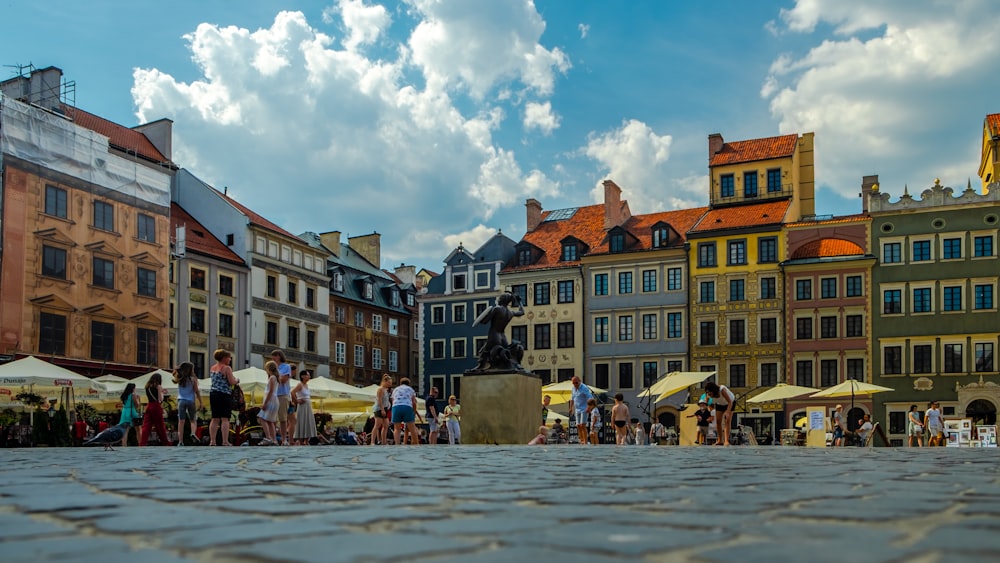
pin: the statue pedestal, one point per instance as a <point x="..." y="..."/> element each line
<point x="502" y="408"/>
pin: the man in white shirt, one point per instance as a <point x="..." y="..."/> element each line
<point x="865" y="429"/>
<point x="934" y="423"/>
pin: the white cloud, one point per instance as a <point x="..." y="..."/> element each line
<point x="885" y="94"/>
<point x="584" y="30"/>
<point x="633" y="156"/>
<point x="471" y="239"/>
<point x="364" y="23"/>
<point x="540" y="116"/>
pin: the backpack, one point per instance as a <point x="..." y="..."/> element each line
<point x="239" y="401"/>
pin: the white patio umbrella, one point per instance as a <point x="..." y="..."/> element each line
<point x="31" y="372"/>
<point x="850" y="388"/>
<point x="674" y="382"/>
<point x="781" y="391"/>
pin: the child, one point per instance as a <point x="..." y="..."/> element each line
<point x="704" y="417"/>
<point x="268" y="414"/>
<point x="595" y="419"/>
<point x="540" y="438"/>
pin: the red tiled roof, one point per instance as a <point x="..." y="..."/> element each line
<point x="741" y="216"/>
<point x="586" y="225"/>
<point x="827" y="248"/>
<point x="198" y="238"/>
<point x="639" y="226"/>
<point x="119" y="136"/>
<point x="993" y="122"/>
<point x="256" y="219"/>
<point x="831" y="221"/>
<point x="754" y="149"/>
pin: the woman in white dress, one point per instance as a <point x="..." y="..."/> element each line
<point x="305" y="422"/>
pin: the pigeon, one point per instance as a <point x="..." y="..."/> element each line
<point x="108" y="438"/>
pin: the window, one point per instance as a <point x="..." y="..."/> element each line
<point x="601" y="377"/>
<point x="921" y="250"/>
<point x="767" y="250"/>
<point x="738" y="375"/>
<point x="368" y="291"/>
<point x="803" y="289"/>
<point x="458" y="282"/>
<point x="457" y="350"/>
<point x="197" y="320"/>
<point x="359" y="355"/>
<point x="146" y="343"/>
<point x="104" y="273"/>
<point x="706" y="333"/>
<point x="737" y="331"/>
<point x="828" y="288"/>
<point x="377" y="356"/>
<point x="377" y="320"/>
<point x="393" y="360"/>
<point x="984" y="356"/>
<point x="768" y="331"/>
<point x="565" y="337"/>
<point x="600" y="329"/>
<point x="804" y="328"/>
<point x="892" y="303"/>
<point x="892" y="360"/>
<point x="649" y="373"/>
<point x="982" y="246"/>
<point x="854" y="288"/>
<point x="226" y="286"/>
<point x="625" y="328"/>
<point x="146" y="282"/>
<point x="706" y="255"/>
<point x="922" y="300"/>
<point x="773" y="180"/>
<point x="649" y="331"/>
<point x="804" y="373"/>
<point x="675" y="365"/>
<point x="55" y="202"/>
<point x="855" y="326"/>
<point x="648" y="281"/>
<point x="736" y="290"/>
<point x="482" y="280"/>
<point x="437" y="349"/>
<point x="393" y="326"/>
<point x="674" y="279"/>
<point x="272" y="285"/>
<point x="626" y="380"/>
<point x="480" y="307"/>
<point x="541" y="293"/>
<point x="828" y="327"/>
<point x="197" y="359"/>
<point x="953" y="359"/>
<point x="661" y="237"/>
<point x="524" y="257"/>
<point x="727" y="186"/>
<point x="51" y="334"/>
<point x="953" y="298"/>
<point x="768" y="288"/>
<point x="102" y="341"/>
<point x="478" y="343"/>
<point x="146" y="228"/>
<point x="750" y="184"/>
<point x="600" y="284"/>
<point x="271" y="333"/>
<point x="768" y="375"/>
<point x="828" y="373"/>
<point x="437" y="314"/>
<point x="922" y="359"/>
<point x="707" y="292"/>
<point x="856" y="369"/>
<point x="519" y="334"/>
<point x="337" y="281"/>
<point x="457" y="315"/>
<point x="225" y="325"/>
<point x="311" y="297"/>
<point x="564" y="291"/>
<point x="53" y="262"/>
<point x="359" y="318"/>
<point x="892" y="253"/>
<point x="543" y="336"/>
<point x="617" y="242"/>
<point x="951" y="249"/>
<point x="737" y="252"/>
<point x="569" y="252"/>
<point x="983" y="296"/>
<point x="675" y="325"/>
<point x="521" y="291"/>
<point x="339" y="315"/>
<point x="310" y="341"/>
<point x="624" y="282"/>
<point x="104" y="216"/>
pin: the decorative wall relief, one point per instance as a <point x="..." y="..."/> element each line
<point x="923" y="384"/>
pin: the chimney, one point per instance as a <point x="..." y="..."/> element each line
<point x="369" y="247"/>
<point x="715" y="143"/>
<point x="616" y="211"/>
<point x="160" y="133"/>
<point x="534" y="213"/>
<point x="406" y="273"/>
<point x="331" y="240"/>
<point x="869" y="185"/>
<point x="43" y="88"/>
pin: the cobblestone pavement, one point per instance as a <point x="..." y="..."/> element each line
<point x="501" y="503"/>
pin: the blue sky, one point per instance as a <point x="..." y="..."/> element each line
<point x="431" y="121"/>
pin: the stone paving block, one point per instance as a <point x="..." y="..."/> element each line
<point x="245" y="531"/>
<point x="353" y="547"/>
<point x="611" y="538"/>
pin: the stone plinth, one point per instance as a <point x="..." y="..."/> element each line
<point x="503" y="408"/>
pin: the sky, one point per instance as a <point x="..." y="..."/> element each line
<point x="431" y="122"/>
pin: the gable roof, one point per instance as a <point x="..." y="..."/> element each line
<point x="199" y="239"/>
<point x="754" y="149"/>
<point x="742" y="216"/>
<point x="639" y="226"/>
<point x="256" y="219"/>
<point x="827" y="248"/>
<point x="119" y="136"/>
<point x="586" y="225"/>
<point x="993" y="124"/>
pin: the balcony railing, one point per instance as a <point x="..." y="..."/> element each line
<point x="764" y="193"/>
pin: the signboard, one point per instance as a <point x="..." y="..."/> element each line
<point x="816" y="434"/>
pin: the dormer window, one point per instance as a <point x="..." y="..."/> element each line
<point x="368" y="290"/>
<point x="409" y="299"/>
<point x="661" y="236"/>
<point x="394" y="298"/>
<point x="337" y="283"/>
<point x="569" y="252"/>
<point x="458" y="282"/>
<point x="524" y="257"/>
<point x="617" y="242"/>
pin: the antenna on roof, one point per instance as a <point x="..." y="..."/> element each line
<point x="225" y="190"/>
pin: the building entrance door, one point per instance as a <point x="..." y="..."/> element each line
<point x="982" y="412"/>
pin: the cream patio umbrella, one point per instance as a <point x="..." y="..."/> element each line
<point x="562" y="392"/>
<point x="850" y="388"/>
<point x="781" y="391"/>
<point x="335" y="394"/>
<point x="674" y="382"/>
<point x="166" y="377"/>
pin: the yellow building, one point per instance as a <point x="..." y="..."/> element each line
<point x="990" y="160"/>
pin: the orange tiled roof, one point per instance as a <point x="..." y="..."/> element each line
<point x="993" y="122"/>
<point x="198" y="238"/>
<point x="586" y="225"/>
<point x="831" y="221"/>
<point x="256" y="219"/>
<point x="827" y="248"/>
<point x="639" y="226"/>
<point x="754" y="149"/>
<point x="740" y="216"/>
<point x="119" y="136"/>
